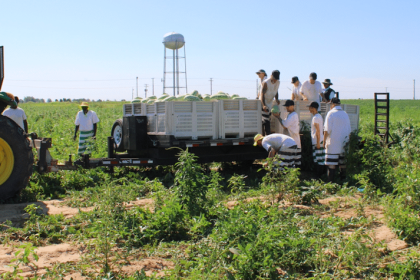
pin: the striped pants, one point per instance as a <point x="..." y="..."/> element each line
<point x="334" y="159"/>
<point x="84" y="145"/>
<point x="290" y="156"/>
<point x="318" y="154"/>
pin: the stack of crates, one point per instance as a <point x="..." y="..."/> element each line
<point x="239" y="118"/>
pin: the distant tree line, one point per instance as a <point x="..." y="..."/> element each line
<point x="41" y="100"/>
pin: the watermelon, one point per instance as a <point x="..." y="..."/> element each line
<point x="191" y="98"/>
<point x="153" y="97"/>
<point x="169" y="98"/>
<point x="195" y="93"/>
<point x="150" y="102"/>
<point x="136" y="101"/>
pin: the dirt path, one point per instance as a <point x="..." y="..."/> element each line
<point x="71" y="254"/>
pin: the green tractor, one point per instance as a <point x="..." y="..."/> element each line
<point x="16" y="157"/>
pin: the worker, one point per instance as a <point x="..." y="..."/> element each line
<point x="311" y="90"/>
<point x="86" y="122"/>
<point x="291" y="122"/>
<point x="282" y="145"/>
<point x="17" y="115"/>
<point x="336" y="135"/>
<point x="262" y="75"/>
<point x="269" y="91"/>
<point x="296" y="89"/>
<point x="328" y="93"/>
<point x="317" y="137"/>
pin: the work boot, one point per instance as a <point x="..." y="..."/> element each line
<point x="331" y="174"/>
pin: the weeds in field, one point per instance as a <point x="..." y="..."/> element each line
<point x="25" y="256"/>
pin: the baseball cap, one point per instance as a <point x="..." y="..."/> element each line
<point x="295" y="79"/>
<point x="289" y="103"/>
<point x="335" y="100"/>
<point x="314" y="105"/>
<point x="261" y="71"/>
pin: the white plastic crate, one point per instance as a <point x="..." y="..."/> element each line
<point x="353" y="112"/>
<point x="193" y="120"/>
<point x="157" y="118"/>
<point x="133" y="109"/>
<point x="239" y="118"/>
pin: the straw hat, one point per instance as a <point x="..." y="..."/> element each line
<point x="257" y="138"/>
<point x="84" y="104"/>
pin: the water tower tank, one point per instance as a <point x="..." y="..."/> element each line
<point x="173" y="40"/>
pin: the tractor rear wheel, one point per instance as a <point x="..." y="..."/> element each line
<point x="16" y="158"/>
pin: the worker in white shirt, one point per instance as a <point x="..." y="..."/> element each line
<point x="262" y="75"/>
<point x="17" y="115"/>
<point x="296" y="89"/>
<point x="282" y="145"/>
<point x="317" y="137"/>
<point x="337" y="131"/>
<point x="86" y="123"/>
<point x="269" y="92"/>
<point x="311" y="90"/>
<point x="291" y="122"/>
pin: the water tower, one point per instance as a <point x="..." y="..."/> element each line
<point x="174" y="41"/>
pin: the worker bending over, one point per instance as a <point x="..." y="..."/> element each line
<point x="336" y="135"/>
<point x="86" y="122"/>
<point x="282" y="145"/>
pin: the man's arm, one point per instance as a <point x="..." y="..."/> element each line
<point x="325" y="137"/>
<point x="76" y="129"/>
<point x="95" y="127"/>
<point x="302" y="94"/>
<point x="317" y="135"/>
<point x="262" y="96"/>
<point x="25" y="125"/>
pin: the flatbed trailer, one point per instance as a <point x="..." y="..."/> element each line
<point x="162" y="153"/>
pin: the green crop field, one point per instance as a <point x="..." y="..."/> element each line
<point x="219" y="220"/>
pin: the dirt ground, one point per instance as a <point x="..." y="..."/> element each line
<point x="72" y="253"/>
<point x="66" y="253"/>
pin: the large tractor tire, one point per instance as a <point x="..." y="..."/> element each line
<point x="117" y="134"/>
<point x="16" y="158"/>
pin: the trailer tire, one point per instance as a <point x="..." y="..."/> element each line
<point x="117" y="134"/>
<point x="16" y="158"/>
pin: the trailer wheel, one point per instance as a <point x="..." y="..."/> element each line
<point x="117" y="134"/>
<point x="16" y="158"/>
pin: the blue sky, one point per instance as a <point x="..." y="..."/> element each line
<point x="96" y="49"/>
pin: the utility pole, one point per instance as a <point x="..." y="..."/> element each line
<point x="414" y="90"/>
<point x="132" y="94"/>
<point x="211" y="86"/>
<point x="153" y="86"/>
<point x="145" y="90"/>
<point x="386" y="90"/>
<point x="137" y="86"/>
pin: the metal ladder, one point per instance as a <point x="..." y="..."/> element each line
<point x="382" y="116"/>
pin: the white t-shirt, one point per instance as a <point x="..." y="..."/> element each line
<point x="17" y="115"/>
<point x="337" y="124"/>
<point x="292" y="124"/>
<point x="85" y="122"/>
<point x="317" y="119"/>
<point x="296" y="92"/>
<point x="276" y="141"/>
<point x="271" y="92"/>
<point x="311" y="91"/>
